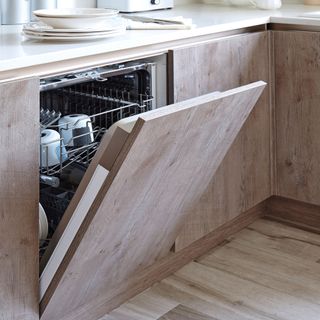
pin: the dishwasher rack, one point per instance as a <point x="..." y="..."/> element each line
<point x="103" y="105"/>
<point x="102" y="95"/>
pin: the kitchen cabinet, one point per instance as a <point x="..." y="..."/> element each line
<point x="297" y="101"/>
<point x="19" y="132"/>
<point x="244" y="177"/>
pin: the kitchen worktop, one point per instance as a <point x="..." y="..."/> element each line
<point x="17" y="52"/>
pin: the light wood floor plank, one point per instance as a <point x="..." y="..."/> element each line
<point x="300" y="280"/>
<point x="272" y="302"/>
<point x="184" y="313"/>
<point x="206" y="302"/>
<point x="281" y="240"/>
<point x="148" y="305"/>
<point x="268" y="271"/>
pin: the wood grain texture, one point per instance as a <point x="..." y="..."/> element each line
<point x="296" y="213"/>
<point x="262" y="273"/>
<point x="165" y="166"/>
<point x="147" y="305"/>
<point x="243" y="179"/>
<point x="19" y="200"/>
<point x="291" y="243"/>
<point x="297" y="97"/>
<point x="184" y="313"/>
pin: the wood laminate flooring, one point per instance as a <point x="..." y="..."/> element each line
<point x="266" y="271"/>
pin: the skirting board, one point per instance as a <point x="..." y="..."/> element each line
<point x="295" y="213"/>
<point x="168" y="265"/>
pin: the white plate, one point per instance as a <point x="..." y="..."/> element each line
<point x="72" y="35"/>
<point x="76" y="18"/>
<point x="73" y="38"/>
<point x="75" y="13"/>
<point x="44" y="28"/>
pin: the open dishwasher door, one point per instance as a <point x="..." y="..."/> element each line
<point x="141" y="185"/>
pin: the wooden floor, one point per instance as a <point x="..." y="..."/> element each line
<point x="266" y="271"/>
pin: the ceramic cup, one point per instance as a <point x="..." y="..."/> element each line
<point x="76" y="130"/>
<point x="51" y="149"/>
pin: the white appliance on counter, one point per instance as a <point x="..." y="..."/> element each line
<point x="135" y="5"/>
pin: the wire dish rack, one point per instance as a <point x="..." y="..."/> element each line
<point x="103" y="96"/>
<point x="103" y="105"/>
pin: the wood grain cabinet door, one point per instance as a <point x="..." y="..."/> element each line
<point x="19" y="199"/>
<point x="297" y="102"/>
<point x="163" y="168"/>
<point x="243" y="179"/>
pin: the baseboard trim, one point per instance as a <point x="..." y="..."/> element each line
<point x="170" y="264"/>
<point x="295" y="213"/>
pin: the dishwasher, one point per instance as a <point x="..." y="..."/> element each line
<point x="120" y="171"/>
<point x="76" y="110"/>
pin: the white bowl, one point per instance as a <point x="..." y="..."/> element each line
<point x="77" y="18"/>
<point x="71" y="23"/>
<point x="76" y="13"/>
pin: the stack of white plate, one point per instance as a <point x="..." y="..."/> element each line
<point x="74" y="24"/>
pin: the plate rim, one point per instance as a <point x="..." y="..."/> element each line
<point x="49" y="29"/>
<point x="73" y="35"/>
<point x="80" y="38"/>
<point x="46" y="13"/>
